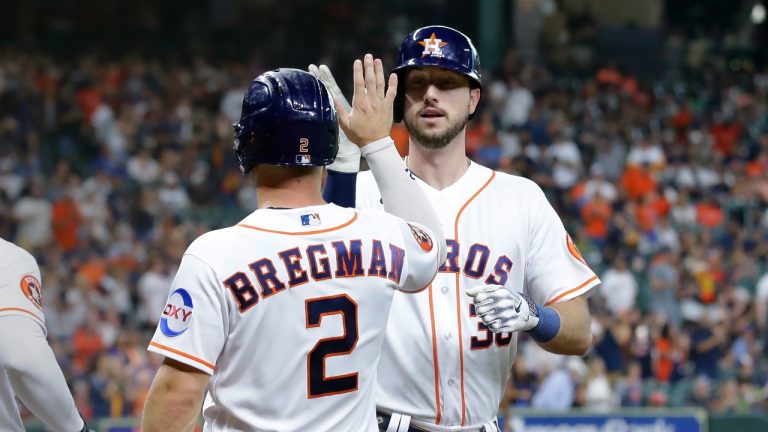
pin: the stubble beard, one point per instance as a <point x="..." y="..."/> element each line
<point x="435" y="140"/>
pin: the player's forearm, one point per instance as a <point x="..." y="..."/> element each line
<point x="174" y="400"/>
<point x="35" y="375"/>
<point x="401" y="195"/>
<point x="167" y="413"/>
<point x="575" y="335"/>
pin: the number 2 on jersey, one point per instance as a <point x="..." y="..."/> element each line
<point x="319" y="385"/>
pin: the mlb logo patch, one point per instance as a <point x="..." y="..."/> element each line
<point x="303" y="159"/>
<point x="310" y="219"/>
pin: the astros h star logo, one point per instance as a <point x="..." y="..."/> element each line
<point x="432" y="46"/>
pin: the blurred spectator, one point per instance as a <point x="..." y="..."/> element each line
<point x="666" y="355"/>
<point x="646" y="154"/>
<point x="637" y="181"/>
<point x="598" y="184"/>
<point x="566" y="161"/>
<point x="172" y="195"/>
<point x="706" y="345"/>
<point x="664" y="279"/>
<point x="33" y="213"/>
<point x="153" y="291"/>
<point x="630" y="387"/>
<point x="65" y="218"/>
<point x="557" y="390"/>
<point x="598" y="391"/>
<point x="619" y="287"/>
<point x="761" y="303"/>
<point x="701" y="394"/>
<point x="142" y="168"/>
<point x="596" y="214"/>
<point x="518" y="101"/>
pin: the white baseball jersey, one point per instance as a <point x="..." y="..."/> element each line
<point x="440" y="364"/>
<point x="20" y="294"/>
<point x="287" y="311"/>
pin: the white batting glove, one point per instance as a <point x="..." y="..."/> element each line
<point x="348" y="158"/>
<point x="503" y="310"/>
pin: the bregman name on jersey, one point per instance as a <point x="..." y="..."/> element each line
<point x="320" y="261"/>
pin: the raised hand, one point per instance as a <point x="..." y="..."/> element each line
<point x="371" y="116"/>
<point x="323" y="73"/>
<point x="348" y="158"/>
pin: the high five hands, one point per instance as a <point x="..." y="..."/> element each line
<point x="371" y="116"/>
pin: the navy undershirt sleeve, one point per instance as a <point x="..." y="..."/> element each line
<point x="340" y="188"/>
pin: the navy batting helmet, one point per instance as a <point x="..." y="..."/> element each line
<point x="288" y="118"/>
<point x="438" y="46"/>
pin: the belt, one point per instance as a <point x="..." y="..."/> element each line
<point x="404" y="423"/>
<point x="384" y="419"/>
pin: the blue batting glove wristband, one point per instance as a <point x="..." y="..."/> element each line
<point x="548" y="326"/>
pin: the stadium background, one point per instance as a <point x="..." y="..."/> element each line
<point x="644" y="122"/>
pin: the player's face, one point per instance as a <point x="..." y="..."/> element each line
<point x="437" y="105"/>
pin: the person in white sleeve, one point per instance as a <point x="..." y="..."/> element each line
<point x="277" y="323"/>
<point x="511" y="265"/>
<point x="28" y="367"/>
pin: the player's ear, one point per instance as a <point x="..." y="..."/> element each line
<point x="474" y="99"/>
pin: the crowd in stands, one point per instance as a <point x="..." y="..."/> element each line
<point x="109" y="169"/>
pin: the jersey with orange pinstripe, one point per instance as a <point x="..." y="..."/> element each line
<point x="440" y="364"/>
<point x="287" y="311"/>
<point x="20" y="294"/>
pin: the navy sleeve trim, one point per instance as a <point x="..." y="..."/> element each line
<point x="340" y="188"/>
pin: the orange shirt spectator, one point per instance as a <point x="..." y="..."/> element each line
<point x="682" y="119"/>
<point x="608" y="75"/>
<point x="709" y="214"/>
<point x="652" y="208"/>
<point x="646" y="216"/>
<point x="757" y="167"/>
<point x="630" y="85"/>
<point x="66" y="222"/>
<point x="726" y="135"/>
<point x="88" y="99"/>
<point x="596" y="215"/>
<point x="86" y="343"/>
<point x="93" y="270"/>
<point x="637" y="181"/>
<point x="663" y="363"/>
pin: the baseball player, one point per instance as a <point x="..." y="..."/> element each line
<point x="281" y="318"/>
<point x="511" y="265"/>
<point x="28" y="368"/>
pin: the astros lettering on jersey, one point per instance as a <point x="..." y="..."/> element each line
<point x="287" y="312"/>
<point x="499" y="229"/>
